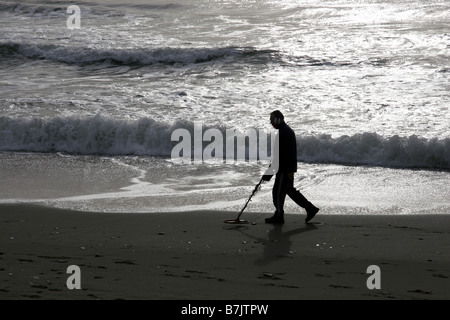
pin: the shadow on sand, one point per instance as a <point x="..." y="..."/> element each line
<point x="278" y="242"/>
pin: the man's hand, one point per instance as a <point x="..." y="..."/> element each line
<point x="266" y="177"/>
<point x="291" y="175"/>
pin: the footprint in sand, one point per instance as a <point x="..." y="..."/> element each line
<point x="420" y="291"/>
<point x="337" y="286"/>
<point x="126" y="262"/>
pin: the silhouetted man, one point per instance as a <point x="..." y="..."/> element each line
<point x="287" y="166"/>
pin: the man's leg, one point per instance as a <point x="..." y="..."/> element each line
<point x="279" y="192"/>
<point x="300" y="199"/>
<point x="278" y="197"/>
<point x="296" y="196"/>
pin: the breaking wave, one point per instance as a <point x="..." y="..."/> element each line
<point x="80" y="55"/>
<point x="109" y="136"/>
<point x="131" y="56"/>
<point x="373" y="149"/>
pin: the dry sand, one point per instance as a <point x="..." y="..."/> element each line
<point x="196" y="256"/>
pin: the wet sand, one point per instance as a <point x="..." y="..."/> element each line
<point x="195" y="256"/>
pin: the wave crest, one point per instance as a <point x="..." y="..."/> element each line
<point x="109" y="136"/>
<point x="373" y="149"/>
<point x="131" y="56"/>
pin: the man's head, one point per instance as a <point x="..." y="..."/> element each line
<point x="276" y="119"/>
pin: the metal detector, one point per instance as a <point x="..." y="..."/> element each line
<point x="238" y="220"/>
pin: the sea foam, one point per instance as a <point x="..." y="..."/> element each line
<point x="145" y="136"/>
<point x="123" y="56"/>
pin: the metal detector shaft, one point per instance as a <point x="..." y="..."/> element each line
<point x="254" y="191"/>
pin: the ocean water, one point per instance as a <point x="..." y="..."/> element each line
<point x="87" y="114"/>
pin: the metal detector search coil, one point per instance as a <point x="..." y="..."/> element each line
<point x="236" y="221"/>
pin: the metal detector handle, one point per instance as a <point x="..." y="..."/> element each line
<point x="257" y="187"/>
<point x="248" y="200"/>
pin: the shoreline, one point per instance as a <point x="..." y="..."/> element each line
<point x="195" y="256"/>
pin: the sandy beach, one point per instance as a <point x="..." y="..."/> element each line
<point x="194" y="255"/>
<point x="130" y="130"/>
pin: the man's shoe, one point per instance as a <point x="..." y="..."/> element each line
<point x="277" y="218"/>
<point x="311" y="212"/>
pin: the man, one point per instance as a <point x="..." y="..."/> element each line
<point x="287" y="166"/>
